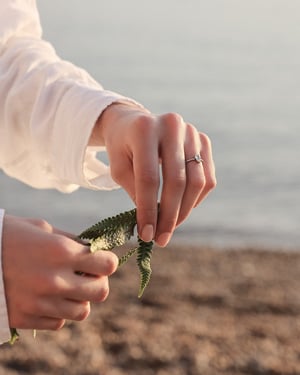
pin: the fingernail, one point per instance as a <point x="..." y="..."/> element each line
<point x="164" y="239"/>
<point x="147" y="233"/>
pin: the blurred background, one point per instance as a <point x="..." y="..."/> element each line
<point x="231" y="68"/>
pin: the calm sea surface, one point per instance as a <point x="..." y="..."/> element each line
<point x="230" y="67"/>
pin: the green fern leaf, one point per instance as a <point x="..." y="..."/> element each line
<point x="14" y="336"/>
<point x="123" y="259"/>
<point x="144" y="253"/>
<point x="111" y="232"/>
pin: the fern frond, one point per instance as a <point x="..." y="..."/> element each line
<point x="14" y="336"/>
<point x="111" y="232"/>
<point x="144" y="253"/>
<point x="124" y="258"/>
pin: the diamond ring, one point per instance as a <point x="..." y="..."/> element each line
<point x="197" y="158"/>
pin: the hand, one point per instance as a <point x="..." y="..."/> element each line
<point x="137" y="143"/>
<point x="39" y="269"/>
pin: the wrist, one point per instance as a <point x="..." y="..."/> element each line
<point x="109" y="116"/>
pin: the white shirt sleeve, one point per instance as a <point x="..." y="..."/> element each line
<point x="48" y="108"/>
<point x="4" y="326"/>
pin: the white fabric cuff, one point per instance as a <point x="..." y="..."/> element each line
<point x="4" y="326"/>
<point x="76" y="163"/>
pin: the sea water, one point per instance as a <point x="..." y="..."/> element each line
<point x="232" y="68"/>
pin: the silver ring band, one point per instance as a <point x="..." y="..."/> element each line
<point x="197" y="158"/>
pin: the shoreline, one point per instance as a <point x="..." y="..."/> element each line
<point x="204" y="312"/>
<point x="234" y="240"/>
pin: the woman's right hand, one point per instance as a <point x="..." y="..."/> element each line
<point x="41" y="267"/>
<point x="140" y="145"/>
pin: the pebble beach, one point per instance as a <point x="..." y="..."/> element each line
<point x="205" y="311"/>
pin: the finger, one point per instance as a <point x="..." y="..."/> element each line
<point x="208" y="167"/>
<point x="174" y="177"/>
<point x="99" y="263"/>
<point x="195" y="176"/>
<point x="146" y="178"/>
<point x="46" y="227"/>
<point x="73" y="286"/>
<point x="72" y="236"/>
<point x="87" y="288"/>
<point x="58" y="308"/>
<point x="40" y="323"/>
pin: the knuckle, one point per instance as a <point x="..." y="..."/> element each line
<point x="172" y="119"/>
<point x="211" y="183"/>
<point x="205" y="140"/>
<point x="52" y="285"/>
<point x="62" y="243"/>
<point x="149" y="178"/>
<point x="178" y="181"/>
<point x="197" y="183"/>
<point x="111" y="263"/>
<point x="143" y="124"/>
<point x="42" y="224"/>
<point x="103" y="293"/>
<point x="62" y="250"/>
<point x="57" y="324"/>
<point x="83" y="313"/>
<point x="107" y="261"/>
<point x="192" y="131"/>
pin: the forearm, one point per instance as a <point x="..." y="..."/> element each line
<point x="47" y="112"/>
<point x="48" y="109"/>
